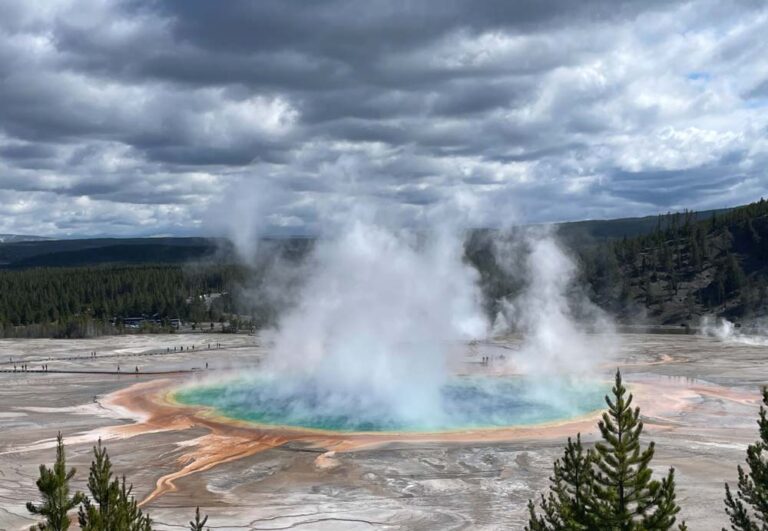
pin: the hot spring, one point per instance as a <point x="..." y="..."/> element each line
<point x="466" y="402"/>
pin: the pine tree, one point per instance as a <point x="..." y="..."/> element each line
<point x="129" y="516"/>
<point x="748" y="509"/>
<point x="103" y="489"/>
<point x="100" y="477"/>
<point x="197" y="524"/>
<point x="627" y="498"/>
<point x="113" y="505"/>
<point x="609" y="488"/>
<point x="569" y="504"/>
<point x="53" y="485"/>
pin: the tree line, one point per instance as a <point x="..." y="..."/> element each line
<point x="87" y="301"/>
<point x="609" y="487"/>
<point x="685" y="267"/>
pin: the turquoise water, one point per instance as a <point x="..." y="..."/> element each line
<point x="463" y="403"/>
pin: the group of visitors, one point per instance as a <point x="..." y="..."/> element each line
<point x="193" y="347"/>
<point x="23" y="367"/>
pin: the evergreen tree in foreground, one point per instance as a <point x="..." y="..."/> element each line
<point x="626" y="496"/>
<point x="748" y="509"/>
<point x="97" y="510"/>
<point x="53" y="485"/>
<point x="569" y="504"/>
<point x="129" y="517"/>
<point x="197" y="524"/>
<point x="112" y="505"/>
<point x="611" y="487"/>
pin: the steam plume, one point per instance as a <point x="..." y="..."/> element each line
<point x="555" y="318"/>
<point x="378" y="315"/>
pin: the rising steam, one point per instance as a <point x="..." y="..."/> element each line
<point x="380" y="310"/>
<point x="544" y="313"/>
<point x="755" y="333"/>
<point x="377" y="317"/>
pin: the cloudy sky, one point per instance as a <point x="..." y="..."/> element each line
<point x="148" y="118"/>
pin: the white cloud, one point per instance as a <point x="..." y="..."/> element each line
<point x="120" y="118"/>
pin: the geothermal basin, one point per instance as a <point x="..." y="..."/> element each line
<point x="261" y="454"/>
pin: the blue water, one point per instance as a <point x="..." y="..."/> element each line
<point x="464" y="403"/>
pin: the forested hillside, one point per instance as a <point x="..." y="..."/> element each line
<point x="685" y="268"/>
<point x="686" y="265"/>
<point x="678" y="268"/>
<point x="97" y="299"/>
<point x="80" y="301"/>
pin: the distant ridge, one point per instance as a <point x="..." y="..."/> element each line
<point x="576" y="232"/>
<point x="10" y="238"/>
<point x="86" y="252"/>
<point x="18" y="251"/>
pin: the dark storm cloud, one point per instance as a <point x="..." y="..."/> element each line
<point x="121" y="114"/>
